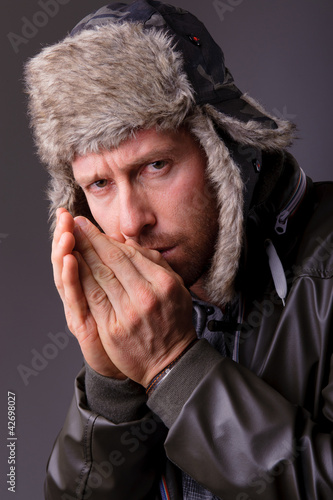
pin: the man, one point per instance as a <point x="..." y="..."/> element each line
<point x="194" y="261"/>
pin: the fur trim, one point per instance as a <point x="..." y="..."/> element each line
<point x="95" y="89"/>
<point x="227" y="182"/>
<point x="252" y="133"/>
<point x="91" y="91"/>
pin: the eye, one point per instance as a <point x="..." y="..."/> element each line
<point x="158" y="165"/>
<point x="101" y="183"/>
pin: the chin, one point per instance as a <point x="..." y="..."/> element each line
<point x="190" y="275"/>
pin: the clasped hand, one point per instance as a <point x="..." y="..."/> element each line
<point x="129" y="311"/>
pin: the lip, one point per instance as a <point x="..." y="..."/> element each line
<point x="165" y="251"/>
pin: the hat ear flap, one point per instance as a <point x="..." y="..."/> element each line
<point x="225" y="178"/>
<point x="256" y="133"/>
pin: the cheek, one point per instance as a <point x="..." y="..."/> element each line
<point x="192" y="196"/>
<point x="106" y="217"/>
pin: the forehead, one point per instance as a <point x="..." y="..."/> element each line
<point x="146" y="141"/>
<point x="144" y="146"/>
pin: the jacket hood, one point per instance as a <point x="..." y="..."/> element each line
<point x="149" y="64"/>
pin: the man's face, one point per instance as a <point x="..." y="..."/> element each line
<point x="153" y="189"/>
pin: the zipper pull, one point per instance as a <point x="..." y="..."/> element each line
<point x="281" y="222"/>
<point x="278" y="275"/>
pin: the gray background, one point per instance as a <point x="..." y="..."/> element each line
<point x="280" y="52"/>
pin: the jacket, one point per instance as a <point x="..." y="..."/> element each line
<point x="254" y="423"/>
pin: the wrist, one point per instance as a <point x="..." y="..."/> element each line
<point x="161" y="375"/>
<point x="105" y="369"/>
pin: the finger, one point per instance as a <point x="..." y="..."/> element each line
<point x="65" y="222"/>
<point x="136" y="273"/>
<point x="122" y="258"/>
<point x="63" y="244"/>
<point x="74" y="297"/>
<point x="96" y="297"/>
<point x="109" y="261"/>
<point x="81" y="321"/>
<point x="152" y="255"/>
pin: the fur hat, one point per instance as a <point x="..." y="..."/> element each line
<point x="148" y="64"/>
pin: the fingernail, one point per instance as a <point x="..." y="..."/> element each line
<point x="59" y="214"/>
<point x="59" y="217"/>
<point x="62" y="240"/>
<point x="81" y="221"/>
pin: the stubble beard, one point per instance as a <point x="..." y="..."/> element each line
<point x="194" y="251"/>
<point x="196" y="257"/>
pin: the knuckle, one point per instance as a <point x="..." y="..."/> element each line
<point x="54" y="256"/>
<point x="147" y="298"/>
<point x="149" y="302"/>
<point x="103" y="273"/>
<point x="59" y="286"/>
<point x="170" y="285"/>
<point x="131" y="252"/>
<point x="118" y="337"/>
<point x="97" y="296"/>
<point x="132" y="316"/>
<point x="116" y="256"/>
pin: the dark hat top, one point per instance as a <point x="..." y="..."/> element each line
<point x="203" y="59"/>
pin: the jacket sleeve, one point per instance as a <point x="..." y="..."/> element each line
<point x="97" y="459"/>
<point x="239" y="438"/>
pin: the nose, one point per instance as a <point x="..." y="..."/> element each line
<point x="135" y="212"/>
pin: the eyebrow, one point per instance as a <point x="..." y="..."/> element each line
<point x="154" y="154"/>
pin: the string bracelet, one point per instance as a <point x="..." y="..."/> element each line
<point x="165" y="372"/>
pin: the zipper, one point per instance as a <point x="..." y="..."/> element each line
<point x="241" y="308"/>
<point x="289" y="209"/>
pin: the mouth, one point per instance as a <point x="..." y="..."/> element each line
<point x="165" y="251"/>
